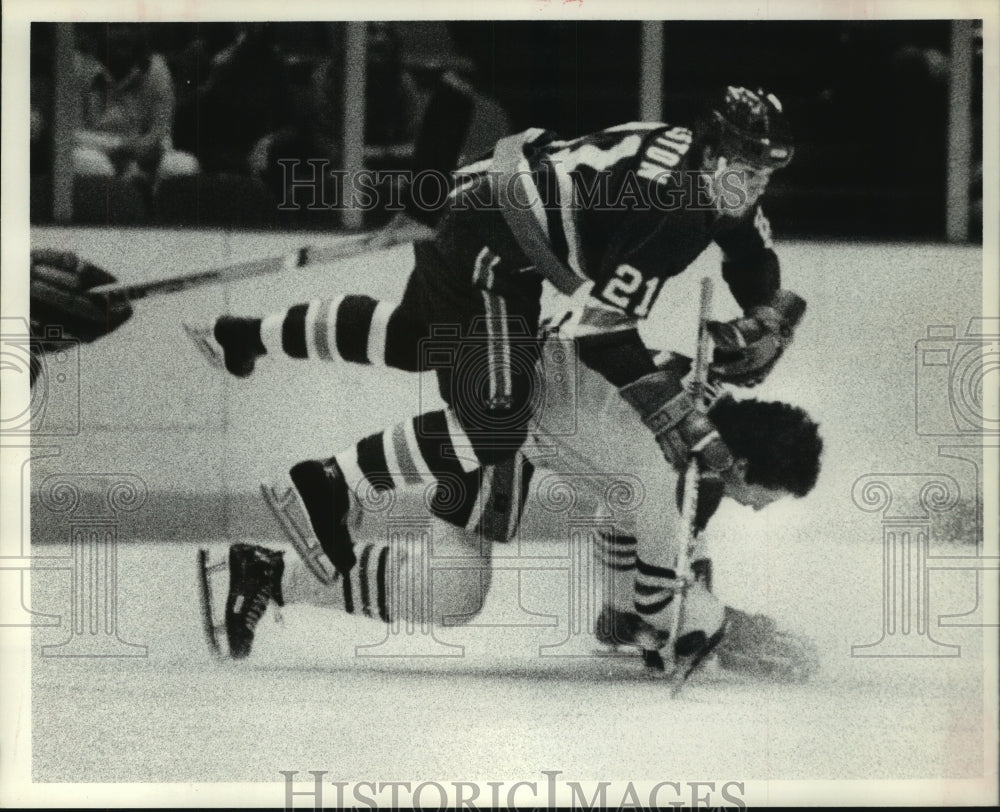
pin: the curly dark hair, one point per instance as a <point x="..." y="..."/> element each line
<point x="780" y="442"/>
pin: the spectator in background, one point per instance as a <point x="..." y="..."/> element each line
<point x="245" y="94"/>
<point x="313" y="130"/>
<point x="127" y="108"/>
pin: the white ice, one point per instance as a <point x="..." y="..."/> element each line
<point x="498" y="707"/>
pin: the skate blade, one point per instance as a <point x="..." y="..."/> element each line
<point x="210" y="627"/>
<point x="204" y="341"/>
<point x="284" y="503"/>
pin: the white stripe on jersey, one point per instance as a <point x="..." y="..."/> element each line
<point x="635" y="125"/>
<point x="568" y="213"/>
<point x="473" y="168"/>
<point x="461" y="443"/>
<point x="534" y="200"/>
<point x="483" y="274"/>
<point x="595" y="157"/>
<point x="491" y="365"/>
<point x="763" y="226"/>
<point x="566" y="161"/>
<point x="330" y="330"/>
<point x="484" y="493"/>
<point x="593" y="318"/>
<point x="507" y="386"/>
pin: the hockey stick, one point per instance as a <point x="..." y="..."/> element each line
<point x="384" y="238"/>
<point x="689" y="506"/>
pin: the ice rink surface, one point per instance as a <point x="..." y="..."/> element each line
<point x="519" y="690"/>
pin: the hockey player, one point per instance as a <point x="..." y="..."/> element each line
<point x="600" y="222"/>
<point x="774" y="452"/>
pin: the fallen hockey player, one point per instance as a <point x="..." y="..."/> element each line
<point x="761" y="452"/>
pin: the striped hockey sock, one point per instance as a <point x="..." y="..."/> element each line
<point x="616" y="555"/>
<point x="617" y="552"/>
<point x="348" y="328"/>
<point x="655" y="587"/>
<point x="365" y="589"/>
<point x="430" y="449"/>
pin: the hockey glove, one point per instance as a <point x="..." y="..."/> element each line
<point x="746" y="349"/>
<point x="670" y="412"/>
<point x="755" y="647"/>
<point x="62" y="306"/>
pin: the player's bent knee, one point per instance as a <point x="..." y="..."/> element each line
<point x="459" y="595"/>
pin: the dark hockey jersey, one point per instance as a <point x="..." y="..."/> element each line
<point x="618" y="213"/>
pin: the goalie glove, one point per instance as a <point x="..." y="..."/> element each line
<point x="756" y="647"/>
<point x="671" y="413"/>
<point x="746" y="349"/>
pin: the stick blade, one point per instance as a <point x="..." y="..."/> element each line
<point x="204" y="341"/>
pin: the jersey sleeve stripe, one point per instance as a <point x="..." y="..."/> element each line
<point x="554" y="203"/>
<point x="534" y="200"/>
<point x="569" y="216"/>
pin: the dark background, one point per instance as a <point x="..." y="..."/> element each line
<point x="868" y="102"/>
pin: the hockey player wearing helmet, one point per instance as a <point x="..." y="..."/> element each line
<point x="747" y="139"/>
<point x="584" y="233"/>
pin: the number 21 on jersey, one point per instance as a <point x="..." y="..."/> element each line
<point x="631" y="291"/>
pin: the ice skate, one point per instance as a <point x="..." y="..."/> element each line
<point x="231" y="343"/>
<point x="254" y="581"/>
<point x="617" y="628"/>
<point x="311" y="503"/>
